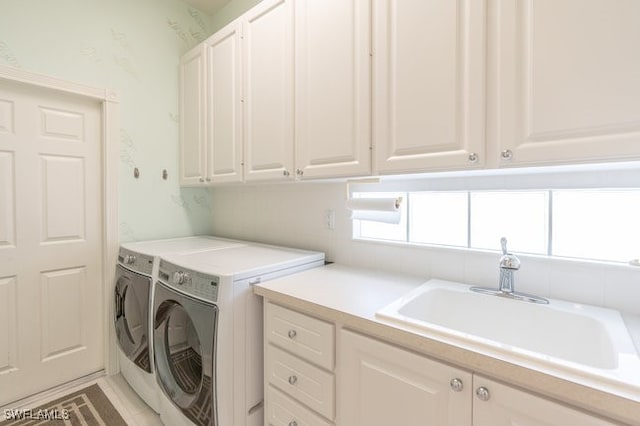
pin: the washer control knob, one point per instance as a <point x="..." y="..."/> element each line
<point x="180" y="277"/>
<point x="129" y="259"/>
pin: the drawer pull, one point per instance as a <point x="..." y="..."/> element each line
<point x="293" y="423"/>
<point x="292" y="334"/>
<point x="293" y="380"/>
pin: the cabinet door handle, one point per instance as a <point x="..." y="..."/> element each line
<point x="293" y="380"/>
<point x="456" y="385"/>
<point x="483" y="393"/>
<point x="208" y="179"/>
<point x="473" y="158"/>
<point x="292" y="334"/>
<point x="286" y="173"/>
<point x="293" y="423"/>
<point x="201" y="180"/>
<point x="299" y="172"/>
<point x="507" y="155"/>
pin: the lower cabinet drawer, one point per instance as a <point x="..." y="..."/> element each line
<point x="284" y="411"/>
<point x="302" y="381"/>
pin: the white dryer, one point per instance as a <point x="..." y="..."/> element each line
<point x="208" y="332"/>
<point x="136" y="271"/>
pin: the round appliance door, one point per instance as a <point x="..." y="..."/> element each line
<point x="131" y="316"/>
<point x="184" y="333"/>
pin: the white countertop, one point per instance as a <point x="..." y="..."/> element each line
<point x="350" y="297"/>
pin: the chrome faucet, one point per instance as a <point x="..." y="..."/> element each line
<point x="509" y="263"/>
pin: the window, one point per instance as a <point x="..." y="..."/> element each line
<point x="596" y="224"/>
<point x="439" y="218"/>
<point x="520" y="216"/>
<point x="588" y="224"/>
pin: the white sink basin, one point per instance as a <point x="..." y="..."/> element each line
<point x="592" y="337"/>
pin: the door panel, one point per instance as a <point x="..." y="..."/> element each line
<point x="8" y="324"/>
<point x="385" y="385"/>
<point x="224" y="112"/>
<point x="192" y="121"/>
<point x="63" y="198"/>
<point x="566" y="86"/>
<point x="62" y="312"/>
<point x="428" y="84"/>
<point x="508" y="406"/>
<point x="7" y="200"/>
<point x="333" y="87"/>
<point x="50" y="238"/>
<point x="268" y="99"/>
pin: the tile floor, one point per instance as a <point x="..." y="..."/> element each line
<point x="131" y="407"/>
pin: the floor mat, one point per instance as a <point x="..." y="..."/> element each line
<point x="88" y="406"/>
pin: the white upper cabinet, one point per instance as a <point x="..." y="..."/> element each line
<point x="192" y="117"/>
<point x="268" y="91"/>
<point x="224" y="105"/>
<point x="333" y="88"/>
<point x="566" y="81"/>
<point x="429" y="84"/>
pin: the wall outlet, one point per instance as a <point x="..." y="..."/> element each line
<point x="330" y="219"/>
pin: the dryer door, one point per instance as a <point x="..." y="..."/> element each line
<point x="131" y="316"/>
<point x="183" y="338"/>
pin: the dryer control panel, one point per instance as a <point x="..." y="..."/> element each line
<point x="136" y="262"/>
<point x="189" y="282"/>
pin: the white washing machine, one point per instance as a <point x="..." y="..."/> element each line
<point x="208" y="332"/>
<point x="136" y="271"/>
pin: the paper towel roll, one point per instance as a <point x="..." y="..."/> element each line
<point x="377" y="216"/>
<point x="374" y="204"/>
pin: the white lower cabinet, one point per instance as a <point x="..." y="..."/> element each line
<point x="507" y="406"/>
<point x="379" y="384"/>
<point x="298" y="369"/>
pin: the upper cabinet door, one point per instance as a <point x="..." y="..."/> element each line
<point x="267" y="32"/>
<point x="333" y="85"/>
<point x="429" y="84"/>
<point x="224" y="112"/>
<point x="192" y="113"/>
<point x="566" y="81"/>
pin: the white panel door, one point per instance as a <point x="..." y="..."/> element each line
<point x="566" y="81"/>
<point x="267" y="33"/>
<point x="224" y="100"/>
<point x="333" y="88"/>
<point x="428" y="89"/>
<point x="51" y="328"/>
<point x="507" y="406"/>
<point x="380" y="385"/>
<point x="193" y="151"/>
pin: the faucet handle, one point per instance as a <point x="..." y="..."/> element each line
<point x="510" y="261"/>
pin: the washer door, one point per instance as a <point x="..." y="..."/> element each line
<point x="184" y="333"/>
<point x="131" y="313"/>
